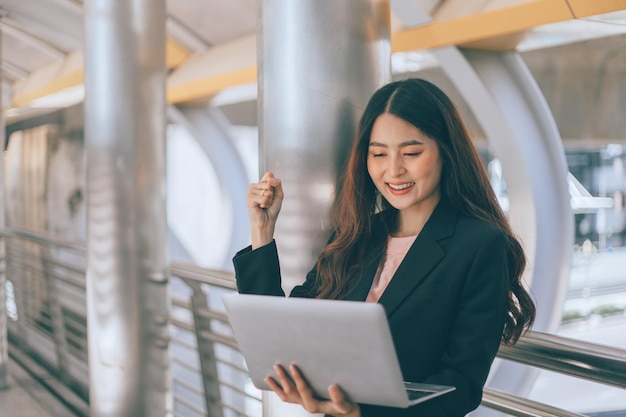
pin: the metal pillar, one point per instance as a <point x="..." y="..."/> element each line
<point x="319" y="62"/>
<point x="127" y="303"/>
<point x="4" y="348"/>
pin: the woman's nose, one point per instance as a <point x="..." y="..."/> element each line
<point x="396" y="167"/>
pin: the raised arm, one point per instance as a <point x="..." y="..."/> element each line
<point x="264" y="200"/>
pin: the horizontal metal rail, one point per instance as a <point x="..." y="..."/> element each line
<point x="190" y="405"/>
<point x="599" y="363"/>
<point x="39" y="269"/>
<point x="233" y="365"/>
<point x="521" y="407"/>
<point x="595" y="291"/>
<point x="189" y="387"/>
<point x="184" y="344"/>
<point x="217" y="278"/>
<point x="580" y="359"/>
<point x="45" y="239"/>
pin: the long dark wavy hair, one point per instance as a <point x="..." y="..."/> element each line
<point x="464" y="183"/>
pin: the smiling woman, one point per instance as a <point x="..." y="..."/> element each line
<point x="416" y="228"/>
<point x="405" y="166"/>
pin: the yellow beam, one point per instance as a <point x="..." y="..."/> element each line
<point x="586" y="8"/>
<point x="205" y="87"/>
<point x="481" y="26"/>
<point x="492" y="29"/>
<point x="58" y="84"/>
<point x="175" y="56"/>
<point x="485" y="28"/>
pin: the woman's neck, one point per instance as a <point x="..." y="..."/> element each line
<point x="411" y="221"/>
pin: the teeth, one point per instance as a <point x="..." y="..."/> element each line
<point x="402" y="186"/>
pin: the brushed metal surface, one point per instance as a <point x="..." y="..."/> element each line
<point x="319" y="63"/>
<point x="127" y="304"/>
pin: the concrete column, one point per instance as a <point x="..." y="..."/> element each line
<point x="4" y="348"/>
<point x="319" y="62"/>
<point x="127" y="303"/>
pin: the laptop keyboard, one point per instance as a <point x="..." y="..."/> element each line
<point x="417" y="394"/>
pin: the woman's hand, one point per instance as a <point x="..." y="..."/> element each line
<point x="294" y="389"/>
<point x="264" y="200"/>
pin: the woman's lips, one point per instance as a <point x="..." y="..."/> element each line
<point x="400" y="188"/>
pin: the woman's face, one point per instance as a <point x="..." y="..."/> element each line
<point x="404" y="164"/>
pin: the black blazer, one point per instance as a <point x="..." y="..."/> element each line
<point x="446" y="304"/>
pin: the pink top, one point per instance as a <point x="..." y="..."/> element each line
<point x="397" y="248"/>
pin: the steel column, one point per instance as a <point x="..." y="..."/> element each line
<point x="127" y="303"/>
<point x="319" y="62"/>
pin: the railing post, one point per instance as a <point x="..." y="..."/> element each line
<point x="206" y="353"/>
<point x="56" y="315"/>
<point x="4" y="346"/>
<point x="19" y="291"/>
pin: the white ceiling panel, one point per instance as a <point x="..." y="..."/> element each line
<point x="23" y="54"/>
<point x="215" y="21"/>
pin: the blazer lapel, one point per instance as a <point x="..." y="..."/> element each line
<point x="422" y="257"/>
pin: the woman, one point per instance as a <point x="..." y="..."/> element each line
<point x="417" y="228"/>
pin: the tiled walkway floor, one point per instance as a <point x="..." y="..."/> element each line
<point x="27" y="398"/>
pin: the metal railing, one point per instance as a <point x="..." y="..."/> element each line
<point x="47" y="321"/>
<point x="216" y="383"/>
<point x="47" y="303"/>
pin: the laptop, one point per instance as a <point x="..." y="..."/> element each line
<point x="347" y="343"/>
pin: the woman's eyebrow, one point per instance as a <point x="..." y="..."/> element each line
<point x="403" y="144"/>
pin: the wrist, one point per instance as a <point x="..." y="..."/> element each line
<point x="262" y="236"/>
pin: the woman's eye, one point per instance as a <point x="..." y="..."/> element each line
<point x="377" y="155"/>
<point x="412" y="153"/>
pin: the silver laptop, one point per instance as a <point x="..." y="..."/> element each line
<point x="332" y="342"/>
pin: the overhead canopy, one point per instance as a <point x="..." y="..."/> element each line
<point x="212" y="43"/>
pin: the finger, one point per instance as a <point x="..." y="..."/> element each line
<point x="264" y="190"/>
<point x="259" y="195"/>
<point x="271" y="382"/>
<point x="267" y="176"/>
<point x="277" y="187"/>
<point x="270" y="179"/>
<point x="285" y="380"/>
<point x="339" y="400"/>
<point x="308" y="402"/>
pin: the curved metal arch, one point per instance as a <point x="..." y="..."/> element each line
<point x="522" y="133"/>
<point x="207" y="126"/>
